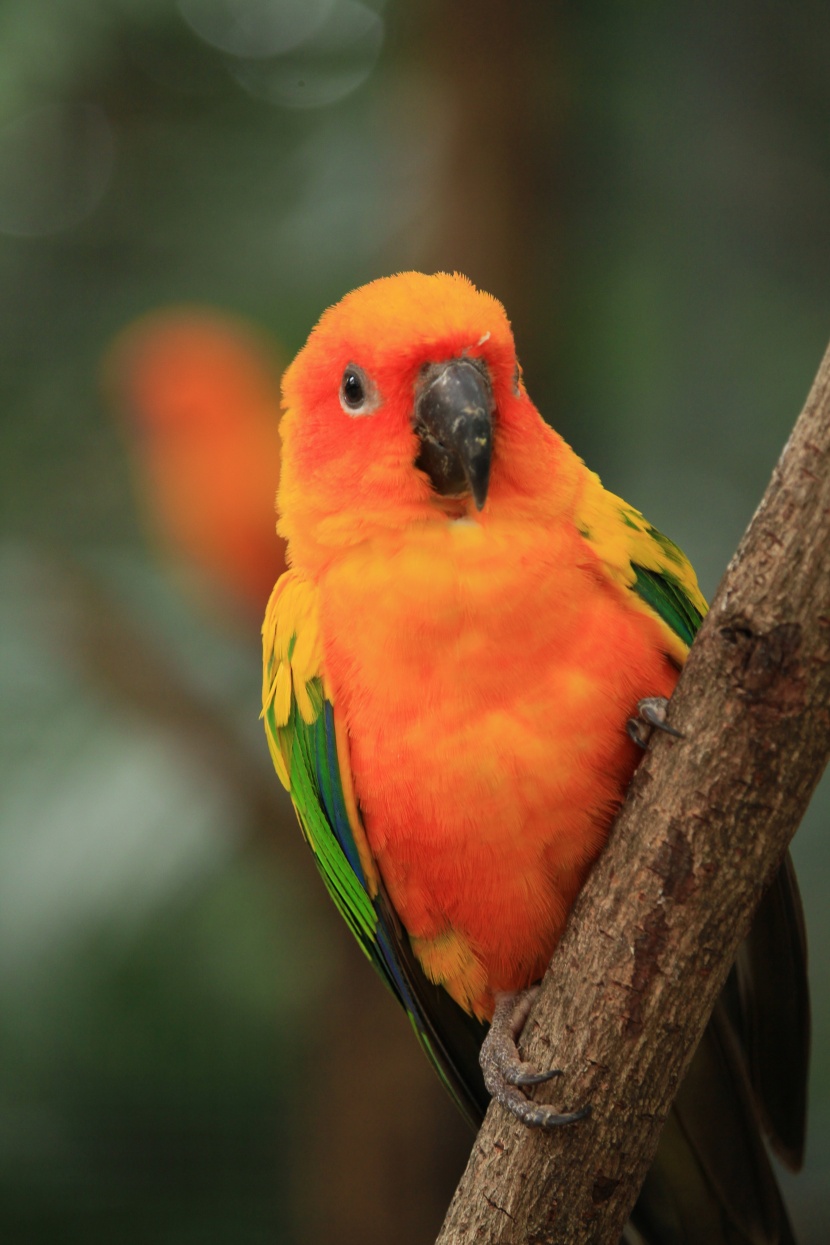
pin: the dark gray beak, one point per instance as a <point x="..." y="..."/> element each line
<point x="454" y="423"/>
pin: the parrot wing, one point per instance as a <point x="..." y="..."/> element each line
<point x="310" y="754"/>
<point x="635" y="556"/>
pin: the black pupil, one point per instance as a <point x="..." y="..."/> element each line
<point x="353" y="389"/>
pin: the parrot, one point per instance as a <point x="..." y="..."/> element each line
<point x="197" y="393"/>
<point x="462" y="663"/>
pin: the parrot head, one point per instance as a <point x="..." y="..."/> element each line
<point x="406" y="404"/>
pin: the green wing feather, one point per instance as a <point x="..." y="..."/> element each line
<point x="639" y="559"/>
<point x="300" y="725"/>
<point x="665" y="593"/>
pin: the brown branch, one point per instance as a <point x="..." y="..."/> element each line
<point x="705" y="826"/>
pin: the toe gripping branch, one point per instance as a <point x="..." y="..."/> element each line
<point x="651" y="715"/>
<point x="506" y="1074"/>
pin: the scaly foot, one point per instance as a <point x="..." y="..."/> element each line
<point x="651" y="715"/>
<point x="504" y="1070"/>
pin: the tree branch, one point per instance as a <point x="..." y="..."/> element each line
<point x="657" y="926"/>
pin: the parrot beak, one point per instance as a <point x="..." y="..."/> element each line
<point x="454" y="422"/>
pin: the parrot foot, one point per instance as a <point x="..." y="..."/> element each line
<point x="651" y="716"/>
<point x="505" y="1072"/>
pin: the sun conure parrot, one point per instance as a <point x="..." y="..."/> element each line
<point x="198" y="392"/>
<point x="472" y="640"/>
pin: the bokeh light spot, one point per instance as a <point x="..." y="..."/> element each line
<point x="328" y="67"/>
<point x="255" y="28"/>
<point x="55" y="166"/>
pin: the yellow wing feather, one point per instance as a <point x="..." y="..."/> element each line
<point x="624" y="540"/>
<point x="292" y="663"/>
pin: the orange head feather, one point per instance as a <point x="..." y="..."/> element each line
<point x="350" y="473"/>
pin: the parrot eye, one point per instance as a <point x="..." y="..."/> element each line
<point x="353" y="394"/>
<point x="358" y="396"/>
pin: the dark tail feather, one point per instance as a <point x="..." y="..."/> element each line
<point x="774" y="1014"/>
<point x="711" y="1182"/>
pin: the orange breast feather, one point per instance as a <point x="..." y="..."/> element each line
<point x="485" y="671"/>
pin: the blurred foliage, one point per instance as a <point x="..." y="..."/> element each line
<point x="190" y="1047"/>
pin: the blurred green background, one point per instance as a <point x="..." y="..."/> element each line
<point x="190" y="1047"/>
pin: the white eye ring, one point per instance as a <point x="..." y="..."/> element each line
<point x="358" y="393"/>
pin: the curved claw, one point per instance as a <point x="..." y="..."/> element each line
<point x="536" y="1114"/>
<point x="651" y="715"/>
<point x="505" y="1072"/>
<point x="534" y="1078"/>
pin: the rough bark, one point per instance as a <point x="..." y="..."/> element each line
<point x="705" y="825"/>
